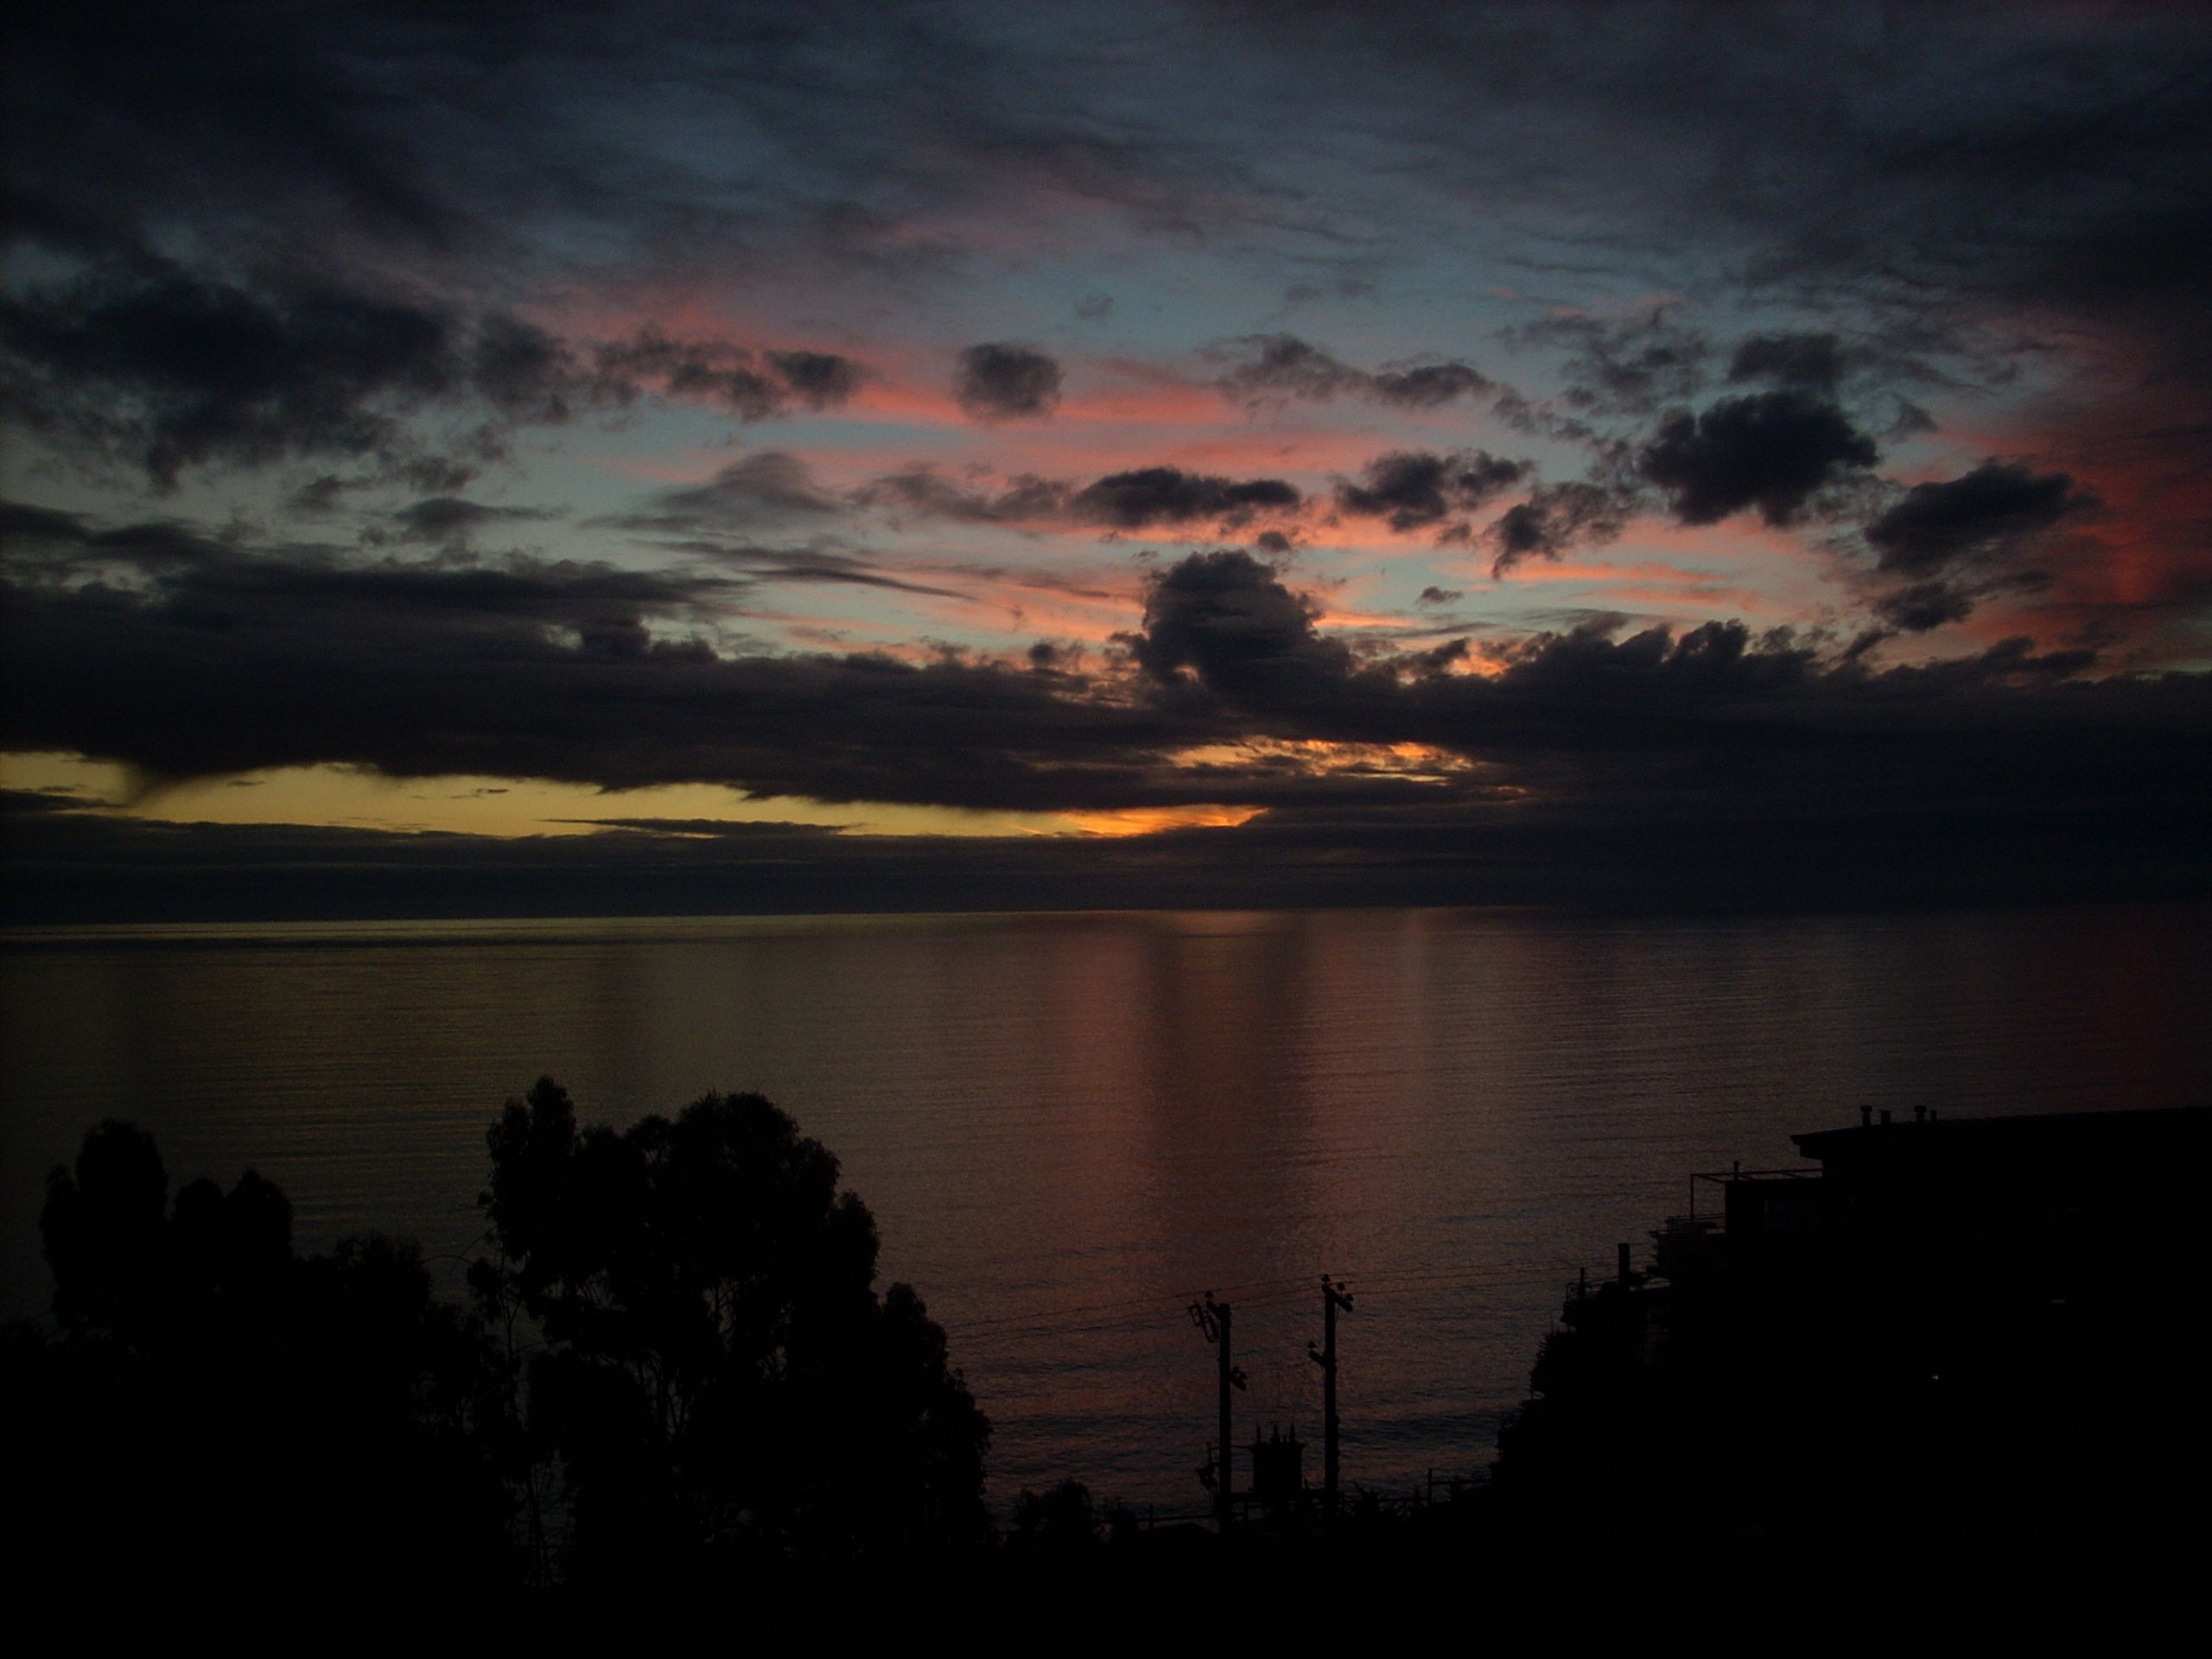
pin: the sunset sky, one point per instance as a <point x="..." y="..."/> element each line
<point x="466" y="456"/>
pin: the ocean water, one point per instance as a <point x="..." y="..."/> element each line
<point x="1069" y="1126"/>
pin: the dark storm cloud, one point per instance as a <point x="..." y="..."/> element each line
<point x="1230" y="621"/>
<point x="448" y="518"/>
<point x="1771" y="450"/>
<point x="1813" y="362"/>
<point x="165" y="369"/>
<point x="232" y="658"/>
<point x="1825" y="154"/>
<point x="21" y="523"/>
<point x="597" y="607"/>
<point x="817" y="379"/>
<point x="1631" y="366"/>
<point x="2055" y="220"/>
<point x="446" y="136"/>
<point x="1283" y="366"/>
<point x="716" y="521"/>
<point x="1168" y="495"/>
<point x="48" y="541"/>
<point x="765" y="486"/>
<point x="1923" y="606"/>
<point x="1426" y="386"/>
<point x="1620" y="372"/>
<point x="750" y="565"/>
<point x="1999" y="508"/>
<point x="1140" y="499"/>
<point x="174" y="370"/>
<point x="1875" y="377"/>
<point x="1721" y="720"/>
<point x="244" y="659"/>
<point x="1555" y="518"/>
<point x="1001" y="382"/>
<point x="1410" y="488"/>
<point x="449" y="134"/>
<point x="207" y="574"/>
<point x="749" y="384"/>
<point x="1836" y="137"/>
<point x="926" y="493"/>
<point x="1273" y="368"/>
<point x="122" y="115"/>
<point x="1970" y="185"/>
<point x="1946" y="547"/>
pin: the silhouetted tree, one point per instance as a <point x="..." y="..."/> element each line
<point x="1060" y="1524"/>
<point x="216" y="1412"/>
<point x="719" y="1377"/>
<point x="715" y="1377"/>
<point x="106" y="1238"/>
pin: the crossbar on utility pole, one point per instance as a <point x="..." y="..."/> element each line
<point x="1333" y="1297"/>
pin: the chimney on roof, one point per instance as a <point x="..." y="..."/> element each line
<point x="1866" y="1116"/>
<point x="1623" y="1266"/>
<point x="1885" y="1115"/>
<point x="1920" y="1113"/>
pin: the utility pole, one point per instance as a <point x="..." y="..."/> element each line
<point x="1213" y="1318"/>
<point x="1333" y="1297"/>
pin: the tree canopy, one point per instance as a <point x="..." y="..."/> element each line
<point x="229" y="1417"/>
<point x="719" y="1373"/>
<point x="675" y="1361"/>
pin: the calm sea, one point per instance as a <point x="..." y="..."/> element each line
<point x="1069" y="1125"/>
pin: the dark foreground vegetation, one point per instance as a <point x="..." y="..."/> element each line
<point x="674" y="1412"/>
<point x="673" y="1369"/>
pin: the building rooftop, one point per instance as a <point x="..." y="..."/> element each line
<point x="2179" y="1134"/>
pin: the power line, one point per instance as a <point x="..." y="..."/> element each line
<point x="1385" y="1285"/>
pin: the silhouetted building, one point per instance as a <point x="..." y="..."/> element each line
<point x="1981" y="1331"/>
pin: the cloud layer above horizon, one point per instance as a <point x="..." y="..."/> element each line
<point x="1169" y="413"/>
